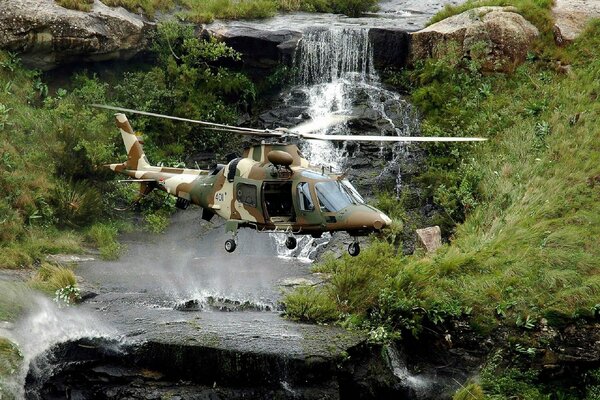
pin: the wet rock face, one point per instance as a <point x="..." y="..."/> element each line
<point x="47" y="35"/>
<point x="504" y="35"/>
<point x="259" y="48"/>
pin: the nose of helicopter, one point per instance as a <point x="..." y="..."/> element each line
<point x="381" y="221"/>
<point x="368" y="218"/>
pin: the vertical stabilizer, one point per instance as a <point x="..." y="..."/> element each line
<point x="136" y="159"/>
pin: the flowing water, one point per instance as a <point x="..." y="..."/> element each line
<point x="173" y="289"/>
<point x="336" y="76"/>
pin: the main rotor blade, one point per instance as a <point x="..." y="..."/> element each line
<point x="319" y="124"/>
<point x="235" y="129"/>
<point x="367" y="138"/>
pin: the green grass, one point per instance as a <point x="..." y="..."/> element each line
<point x="50" y="278"/>
<point x="528" y="247"/>
<point x="203" y="11"/>
<point x="10" y="363"/>
<point x="104" y="236"/>
<point x="80" y="5"/>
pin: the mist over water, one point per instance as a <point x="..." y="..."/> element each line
<point x="43" y="325"/>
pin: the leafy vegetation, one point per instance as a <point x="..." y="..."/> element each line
<point x="525" y="204"/>
<point x="52" y="192"/>
<point x="51" y="278"/>
<point x="208" y="10"/>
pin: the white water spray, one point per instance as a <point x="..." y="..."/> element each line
<point x="336" y="74"/>
<point x="45" y="325"/>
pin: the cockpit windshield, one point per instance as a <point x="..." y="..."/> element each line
<point x="351" y="190"/>
<point x="332" y="196"/>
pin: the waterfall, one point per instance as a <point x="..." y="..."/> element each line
<point x="335" y="75"/>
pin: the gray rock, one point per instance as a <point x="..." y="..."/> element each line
<point x="47" y="35"/>
<point x="68" y="258"/>
<point x="261" y="48"/>
<point x="571" y="17"/>
<point x="505" y="34"/>
<point x="430" y="238"/>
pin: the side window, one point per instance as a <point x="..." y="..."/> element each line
<point x="304" y="199"/>
<point x="246" y="194"/>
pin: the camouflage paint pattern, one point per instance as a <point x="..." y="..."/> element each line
<point x="220" y="191"/>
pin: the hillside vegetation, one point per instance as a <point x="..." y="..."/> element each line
<point x="202" y="11"/>
<point x="523" y="209"/>
<point x="53" y="145"/>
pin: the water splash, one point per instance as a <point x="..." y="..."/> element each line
<point x="306" y="249"/>
<point x="43" y="326"/>
<point x="336" y="75"/>
<point x="418" y="383"/>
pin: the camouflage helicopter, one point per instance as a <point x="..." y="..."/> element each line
<point x="272" y="187"/>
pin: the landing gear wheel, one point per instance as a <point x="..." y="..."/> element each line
<point x="291" y="242"/>
<point x="230" y="245"/>
<point x="354" y="249"/>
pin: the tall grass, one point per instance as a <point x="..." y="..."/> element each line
<point x="203" y="11"/>
<point x="529" y="248"/>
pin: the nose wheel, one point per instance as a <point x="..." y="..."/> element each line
<point x="230" y="245"/>
<point x="291" y="242"/>
<point x="354" y="249"/>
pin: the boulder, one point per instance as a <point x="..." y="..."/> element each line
<point x="260" y="48"/>
<point x="47" y="35"/>
<point x="430" y="238"/>
<point x="571" y="17"/>
<point x="504" y="35"/>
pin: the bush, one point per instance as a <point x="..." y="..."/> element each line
<point x="470" y="392"/>
<point x="104" y="236"/>
<point x="51" y="278"/>
<point x="307" y="303"/>
<point x="157" y="222"/>
<point x="76" y="204"/>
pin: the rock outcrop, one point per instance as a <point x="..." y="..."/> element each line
<point x="47" y="35"/>
<point x="497" y="35"/>
<point x="571" y="17"/>
<point x="259" y="48"/>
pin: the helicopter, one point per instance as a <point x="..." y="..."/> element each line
<point x="271" y="188"/>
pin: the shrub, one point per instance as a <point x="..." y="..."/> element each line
<point x="157" y="222"/>
<point x="104" y="236"/>
<point x="76" y="204"/>
<point x="470" y="392"/>
<point x="307" y="303"/>
<point x="51" y="278"/>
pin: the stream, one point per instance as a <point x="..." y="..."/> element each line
<point x="178" y="317"/>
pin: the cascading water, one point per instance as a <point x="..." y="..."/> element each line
<point x="336" y="76"/>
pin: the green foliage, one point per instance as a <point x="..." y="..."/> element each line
<point x="157" y="222"/>
<point x="11" y="361"/>
<point x="527" y="244"/>
<point x="352" y="8"/>
<point x="51" y="278"/>
<point x="470" y="392"/>
<point x="81" y="5"/>
<point x="207" y="10"/>
<point x="76" y="204"/>
<point x="308" y="303"/>
<point x="104" y="236"/>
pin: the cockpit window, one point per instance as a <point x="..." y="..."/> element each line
<point x="332" y="197"/>
<point x="351" y="190"/>
<point x="304" y="198"/>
